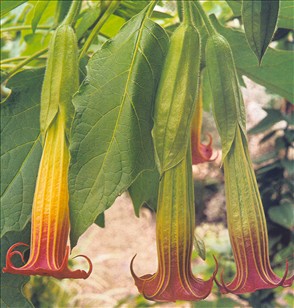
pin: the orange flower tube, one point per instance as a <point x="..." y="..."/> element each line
<point x="201" y="153"/>
<point x="175" y="225"/>
<point x="247" y="225"/>
<point x="50" y="214"/>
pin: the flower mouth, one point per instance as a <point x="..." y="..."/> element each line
<point x="58" y="272"/>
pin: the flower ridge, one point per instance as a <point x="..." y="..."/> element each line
<point x="175" y="225"/>
<point x="247" y="225"/>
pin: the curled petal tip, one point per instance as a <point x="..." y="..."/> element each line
<point x="284" y="281"/>
<point x="210" y="140"/>
<point x="216" y="267"/>
<point x="131" y="267"/>
<point x="88" y="273"/>
<point x="9" y="268"/>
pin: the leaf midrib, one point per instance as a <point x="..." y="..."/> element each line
<point x="136" y="49"/>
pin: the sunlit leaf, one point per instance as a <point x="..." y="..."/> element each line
<point x="7" y="6"/>
<point x="38" y="12"/>
<point x="111" y="141"/>
<point x="20" y="149"/>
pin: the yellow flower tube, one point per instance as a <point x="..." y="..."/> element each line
<point x="49" y="250"/>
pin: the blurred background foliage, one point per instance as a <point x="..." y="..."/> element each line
<point x="26" y="31"/>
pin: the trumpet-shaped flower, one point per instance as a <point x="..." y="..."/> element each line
<point x="201" y="153"/>
<point x="175" y="225"/>
<point x="247" y="225"/>
<point x="50" y="214"/>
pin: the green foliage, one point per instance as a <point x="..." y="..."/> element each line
<point x="103" y="167"/>
<point x="20" y="149"/>
<point x="7" y="6"/>
<point x="260" y="20"/>
<point x="38" y="12"/>
<point x="276" y="70"/>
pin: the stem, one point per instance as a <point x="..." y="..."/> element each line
<point x="206" y="20"/>
<point x="72" y="13"/>
<point x="25" y="27"/>
<point x="16" y="59"/>
<point x="112" y="7"/>
<point x="151" y="7"/>
<point x="26" y="61"/>
<point x="186" y="14"/>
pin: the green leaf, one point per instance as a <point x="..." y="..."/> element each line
<point x="288" y="164"/>
<point x="100" y="220"/>
<point x="283" y="215"/>
<point x="7" y="6"/>
<point x="111" y="142"/>
<point x="260" y="20"/>
<point x="286" y="15"/>
<point x="11" y="285"/>
<point x="61" y="10"/>
<point x="20" y="149"/>
<point x="199" y="247"/>
<point x="86" y="20"/>
<point x="127" y="9"/>
<point x="235" y="6"/>
<point x="276" y="71"/>
<point x="273" y="116"/>
<point x="145" y="190"/>
<point x="112" y="26"/>
<point x="38" y="12"/>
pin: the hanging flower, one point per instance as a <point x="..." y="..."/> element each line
<point x="201" y="153"/>
<point x="247" y="225"/>
<point x="50" y="214"/>
<point x="175" y="225"/>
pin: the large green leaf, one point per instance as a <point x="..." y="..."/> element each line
<point x="11" y="285"/>
<point x="260" y="20"/>
<point x="276" y="71"/>
<point x="7" y="6"/>
<point x="286" y="13"/>
<point x="20" y="149"/>
<point x="111" y="142"/>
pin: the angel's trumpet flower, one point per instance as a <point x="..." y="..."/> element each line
<point x="50" y="215"/>
<point x="175" y="225"/>
<point x="201" y="153"/>
<point x="247" y="225"/>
